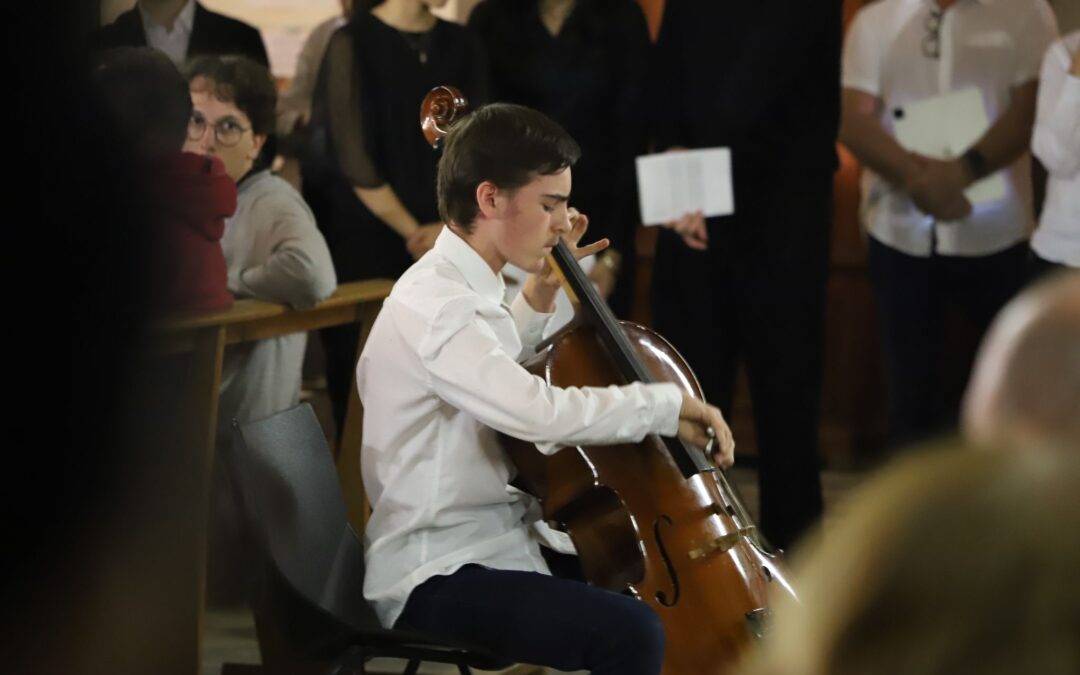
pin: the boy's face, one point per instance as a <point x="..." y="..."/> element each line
<point x="226" y="134"/>
<point x="534" y="217"/>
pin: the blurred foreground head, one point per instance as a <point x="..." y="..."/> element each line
<point x="147" y="99"/>
<point x="1025" y="387"/>
<point x="949" y="562"/>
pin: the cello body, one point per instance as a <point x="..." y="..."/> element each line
<point x="678" y="544"/>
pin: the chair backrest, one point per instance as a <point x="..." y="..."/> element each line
<point x="289" y="492"/>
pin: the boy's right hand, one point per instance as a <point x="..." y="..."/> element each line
<point x="696" y="418"/>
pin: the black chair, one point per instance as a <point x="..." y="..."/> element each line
<point x="309" y="607"/>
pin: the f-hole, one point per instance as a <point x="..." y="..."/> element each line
<point x="661" y="596"/>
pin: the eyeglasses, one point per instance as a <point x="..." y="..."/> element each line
<point x="227" y="131"/>
<point x="931" y="44"/>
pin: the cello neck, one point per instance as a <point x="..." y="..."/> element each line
<point x="594" y="311"/>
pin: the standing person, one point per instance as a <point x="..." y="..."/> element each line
<point x="931" y="253"/>
<point x="761" y="80"/>
<point x="1056" y="142"/>
<point x="383" y="214"/>
<point x="583" y="63"/>
<point x="449" y="549"/>
<point x="182" y="29"/>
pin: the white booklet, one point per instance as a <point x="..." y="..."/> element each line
<point x="671" y="184"/>
<point x="944" y="127"/>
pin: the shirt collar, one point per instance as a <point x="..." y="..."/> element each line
<point x="184" y="20"/>
<point x="477" y="273"/>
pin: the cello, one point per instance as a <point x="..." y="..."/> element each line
<point x="656" y="518"/>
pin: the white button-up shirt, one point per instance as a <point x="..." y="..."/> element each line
<point x="992" y="45"/>
<point x="438" y="376"/>
<point x="173" y="42"/>
<point x="1056" y="143"/>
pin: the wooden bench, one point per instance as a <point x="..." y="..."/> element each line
<point x="203" y="338"/>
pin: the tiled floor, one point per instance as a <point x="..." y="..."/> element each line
<point x="230" y="634"/>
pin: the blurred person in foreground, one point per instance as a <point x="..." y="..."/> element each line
<point x="1025" y="388"/>
<point x="949" y="562"/>
<point x="190" y="194"/>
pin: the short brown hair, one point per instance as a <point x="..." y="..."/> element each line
<point x="502" y="143"/>
<point x="242" y="82"/>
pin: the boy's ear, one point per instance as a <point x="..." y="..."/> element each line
<point x="487" y="199"/>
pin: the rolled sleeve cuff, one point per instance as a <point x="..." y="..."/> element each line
<point x="667" y="404"/>
<point x="530" y="323"/>
<point x="865" y="85"/>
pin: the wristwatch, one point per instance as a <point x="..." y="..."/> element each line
<point x="976" y="163"/>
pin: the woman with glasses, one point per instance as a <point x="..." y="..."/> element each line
<point x="272" y="248"/>
<point x="273" y="251"/>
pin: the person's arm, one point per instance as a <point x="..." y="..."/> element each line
<point x="299" y="271"/>
<point x="862" y="133"/>
<point x="1056" y="140"/>
<point x="469" y="369"/>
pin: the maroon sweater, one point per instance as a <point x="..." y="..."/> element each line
<point x="192" y="198"/>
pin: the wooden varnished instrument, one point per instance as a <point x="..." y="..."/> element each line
<point x="655" y="518"/>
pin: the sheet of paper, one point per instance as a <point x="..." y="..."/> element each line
<point x="671" y="184"/>
<point x="944" y="127"/>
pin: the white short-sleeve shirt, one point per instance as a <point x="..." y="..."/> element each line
<point x="992" y="45"/>
<point x="438" y="376"/>
<point x="1056" y="142"/>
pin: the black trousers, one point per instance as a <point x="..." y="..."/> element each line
<point x="917" y="297"/>
<point x="757" y="295"/>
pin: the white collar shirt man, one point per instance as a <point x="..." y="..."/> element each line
<point x="173" y="42"/>
<point x="438" y="376"/>
<point x="1056" y="142"/>
<point x="992" y="45"/>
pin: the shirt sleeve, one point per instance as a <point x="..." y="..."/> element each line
<point x="530" y="324"/>
<point x="1038" y="34"/>
<point x="344" y="89"/>
<point x="298" y="271"/>
<point x="1056" y="139"/>
<point x="862" y="55"/>
<point x="469" y="369"/>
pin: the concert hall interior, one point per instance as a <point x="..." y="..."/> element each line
<point x="693" y="337"/>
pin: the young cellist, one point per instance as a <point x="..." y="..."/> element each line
<point x="450" y="548"/>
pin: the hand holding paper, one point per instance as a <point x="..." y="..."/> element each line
<point x="942" y="128"/>
<point x="674" y="185"/>
<point x="938" y="190"/>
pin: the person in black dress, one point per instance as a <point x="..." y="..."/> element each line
<point x="583" y="63"/>
<point x="762" y="79"/>
<point x="378" y="207"/>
